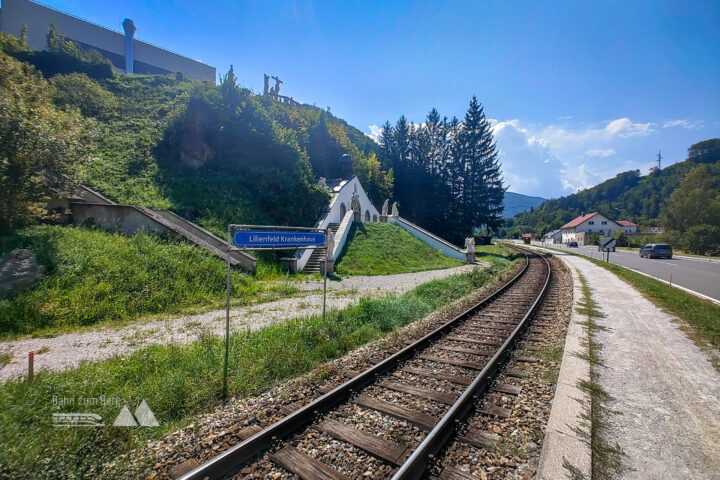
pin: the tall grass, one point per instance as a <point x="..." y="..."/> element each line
<point x="178" y="381"/>
<point x="94" y="276"/>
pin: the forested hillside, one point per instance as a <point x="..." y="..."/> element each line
<point x="214" y="154"/>
<point x="679" y="198"/>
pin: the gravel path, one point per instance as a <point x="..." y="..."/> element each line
<point x="665" y="389"/>
<point x="68" y="350"/>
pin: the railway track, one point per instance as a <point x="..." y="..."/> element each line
<point x="395" y="417"/>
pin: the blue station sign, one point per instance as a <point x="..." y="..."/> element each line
<point x="277" y="239"/>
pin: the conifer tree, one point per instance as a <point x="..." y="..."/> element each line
<point x="436" y="131"/>
<point x="483" y="193"/>
<point x="447" y="174"/>
<point x="387" y="145"/>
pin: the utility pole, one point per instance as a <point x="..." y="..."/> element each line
<point x="659" y="157"/>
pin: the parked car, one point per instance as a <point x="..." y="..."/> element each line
<point x="572" y="243"/>
<point x="656" y="250"/>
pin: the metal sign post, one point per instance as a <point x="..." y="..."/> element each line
<point x="324" y="276"/>
<point x="268" y="237"/>
<point x="607" y="245"/>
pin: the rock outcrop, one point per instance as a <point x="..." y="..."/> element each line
<point x="19" y="270"/>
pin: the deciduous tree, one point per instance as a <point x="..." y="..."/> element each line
<point x="41" y="148"/>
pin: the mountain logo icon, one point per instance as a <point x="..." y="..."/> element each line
<point x="145" y="417"/>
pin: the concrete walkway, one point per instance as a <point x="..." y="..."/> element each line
<point x="566" y="434"/>
<point x="68" y="350"/>
<point x="665" y="389"/>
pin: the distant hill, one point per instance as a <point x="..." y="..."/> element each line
<point x="628" y="196"/>
<point x="517" y="202"/>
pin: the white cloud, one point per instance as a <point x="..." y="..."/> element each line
<point x="552" y="160"/>
<point x="563" y="140"/>
<point x="689" y="124"/>
<point x="600" y="153"/>
<point x="578" y="178"/>
<point x="528" y="165"/>
<point x="374" y="132"/>
<point x="624" y="127"/>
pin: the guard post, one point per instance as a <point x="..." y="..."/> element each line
<point x="268" y="237"/>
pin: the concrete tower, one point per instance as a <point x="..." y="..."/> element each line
<point x="129" y="28"/>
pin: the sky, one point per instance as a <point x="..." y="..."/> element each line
<point x="576" y="91"/>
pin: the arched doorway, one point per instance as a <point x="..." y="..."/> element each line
<point x="374" y="218"/>
<point x="367" y="215"/>
<point x="343" y="211"/>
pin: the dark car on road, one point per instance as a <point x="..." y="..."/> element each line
<point x="656" y="250"/>
<point x="572" y="243"/>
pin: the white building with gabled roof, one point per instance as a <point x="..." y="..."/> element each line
<point x="581" y="227"/>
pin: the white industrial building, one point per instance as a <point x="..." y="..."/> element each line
<point x="127" y="54"/>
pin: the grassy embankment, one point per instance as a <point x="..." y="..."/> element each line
<point x="384" y="249"/>
<point x="179" y="381"/>
<point x="702" y="315"/>
<point x="93" y="277"/>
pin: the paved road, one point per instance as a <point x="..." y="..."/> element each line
<point x="696" y="274"/>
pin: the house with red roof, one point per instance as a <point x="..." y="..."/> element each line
<point x="580" y="228"/>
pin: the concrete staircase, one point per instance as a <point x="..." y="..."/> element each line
<point x="314" y="265"/>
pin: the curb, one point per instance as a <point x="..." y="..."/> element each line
<point x="562" y="443"/>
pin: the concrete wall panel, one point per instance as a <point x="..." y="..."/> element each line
<point x="38" y="18"/>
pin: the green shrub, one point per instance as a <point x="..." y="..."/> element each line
<point x="703" y="240"/>
<point x="77" y="90"/>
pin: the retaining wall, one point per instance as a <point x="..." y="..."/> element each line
<point x="430" y="239"/>
<point x="128" y="220"/>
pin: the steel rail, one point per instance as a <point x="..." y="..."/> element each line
<point x="230" y="460"/>
<point x="416" y="464"/>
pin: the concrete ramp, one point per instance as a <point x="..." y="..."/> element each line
<point x="201" y="237"/>
<point x="90" y="207"/>
<point x="429" y="238"/>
